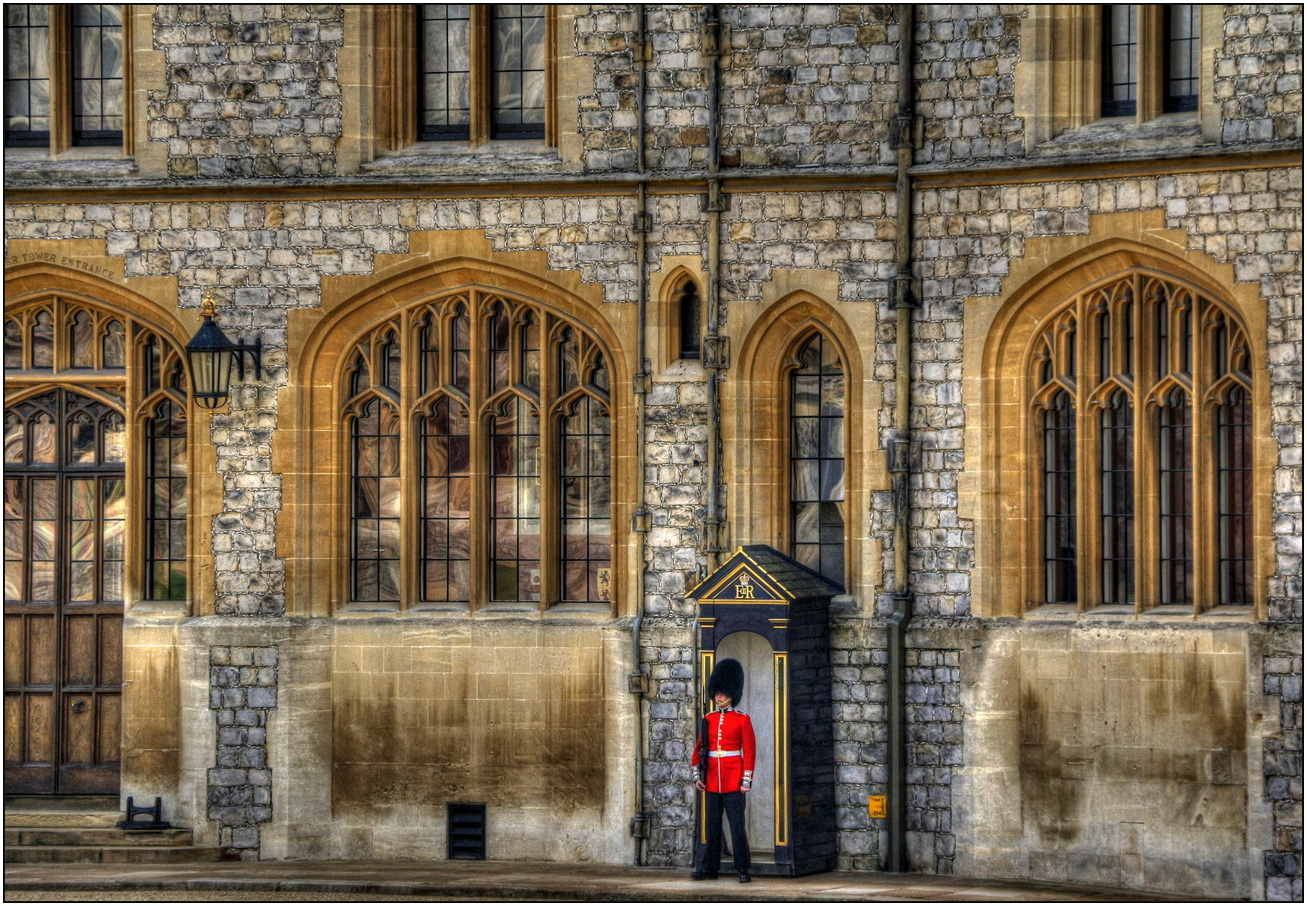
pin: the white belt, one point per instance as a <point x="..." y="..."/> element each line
<point x="720" y="754"/>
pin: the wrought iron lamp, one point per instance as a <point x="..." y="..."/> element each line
<point x="211" y="355"/>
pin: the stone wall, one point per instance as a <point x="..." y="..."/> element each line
<point x="668" y="656"/>
<point x="252" y="90"/>
<point x="935" y="751"/>
<point x="607" y="118"/>
<point x="243" y="692"/>
<point x="1282" y="763"/>
<point x="859" y="697"/>
<point x="808" y="85"/>
<point x="1259" y="73"/>
<point x="966" y="58"/>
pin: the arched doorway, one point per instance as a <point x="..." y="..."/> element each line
<point x="64" y="520"/>
<point x="87" y="391"/>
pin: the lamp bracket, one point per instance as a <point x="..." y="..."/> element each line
<point x="255" y="351"/>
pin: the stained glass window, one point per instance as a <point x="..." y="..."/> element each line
<point x="446" y="502"/>
<point x="515" y="502"/>
<point x="1117" y="470"/>
<point x="1234" y="491"/>
<point x="1181" y="48"/>
<point x="27" y="74"/>
<point x="586" y="507"/>
<point x="64" y="499"/>
<point x="517" y="65"/>
<point x="97" y="78"/>
<point x="77" y="434"/>
<point x="1060" y="501"/>
<point x="375" y="501"/>
<point x="446" y="71"/>
<point x="166" y="507"/>
<point x="687" y="316"/>
<point x="1175" y="493"/>
<point x="481" y="70"/>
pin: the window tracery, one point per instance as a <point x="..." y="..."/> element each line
<point x="506" y="424"/>
<point x="77" y="378"/>
<point x="817" y="464"/>
<point x="1144" y="449"/>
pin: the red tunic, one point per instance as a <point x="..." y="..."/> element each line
<point x="728" y="731"/>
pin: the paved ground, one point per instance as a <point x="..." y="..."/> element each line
<point x="506" y="881"/>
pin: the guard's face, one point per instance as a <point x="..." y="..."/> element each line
<point x="722" y="699"/>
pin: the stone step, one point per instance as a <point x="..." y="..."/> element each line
<point x="17" y="834"/>
<point x="95" y="820"/>
<point x="62" y="811"/>
<point x="139" y="855"/>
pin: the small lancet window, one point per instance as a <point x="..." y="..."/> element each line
<point x="688" y="314"/>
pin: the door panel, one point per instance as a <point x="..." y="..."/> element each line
<point x="110" y="639"/>
<point x="79" y="649"/>
<point x="13" y="728"/>
<point x="64" y="514"/>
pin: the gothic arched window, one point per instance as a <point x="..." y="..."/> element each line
<point x="817" y="468"/>
<point x="1139" y="394"/>
<point x="79" y="356"/>
<point x="491" y="414"/>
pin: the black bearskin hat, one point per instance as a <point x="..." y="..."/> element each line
<point x="727" y="677"/>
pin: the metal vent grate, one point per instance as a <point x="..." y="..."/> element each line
<point x="467" y="830"/>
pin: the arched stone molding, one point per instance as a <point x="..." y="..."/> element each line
<point x="317" y="505"/>
<point x="34" y="278"/>
<point x="665" y="326"/>
<point x="154" y="745"/>
<point x="756" y="449"/>
<point x="997" y="334"/>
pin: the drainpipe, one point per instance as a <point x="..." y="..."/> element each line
<point x="900" y="452"/>
<point x="642" y="383"/>
<point x="715" y="346"/>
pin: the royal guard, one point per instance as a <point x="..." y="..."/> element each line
<point x="724" y="756"/>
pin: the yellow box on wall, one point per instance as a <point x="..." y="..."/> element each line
<point x="876" y="806"/>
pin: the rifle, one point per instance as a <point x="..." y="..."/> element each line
<point x="703" y="749"/>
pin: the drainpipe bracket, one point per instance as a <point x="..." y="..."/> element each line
<point x="641" y="521"/>
<point x="716" y="200"/>
<point x="641" y="383"/>
<point x="716" y="37"/>
<point x="909" y="131"/>
<point x="905" y="291"/>
<point x="637" y="683"/>
<point x="716" y="536"/>
<point x="716" y="352"/>
<point x="903" y="454"/>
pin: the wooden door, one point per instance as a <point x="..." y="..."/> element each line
<point x="64" y="511"/>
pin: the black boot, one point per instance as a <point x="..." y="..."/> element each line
<point x="744" y="877"/>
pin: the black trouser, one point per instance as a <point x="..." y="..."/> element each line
<point x="734" y="805"/>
